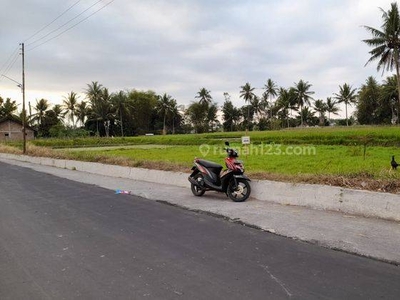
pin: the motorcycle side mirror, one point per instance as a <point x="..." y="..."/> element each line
<point x="227" y="143"/>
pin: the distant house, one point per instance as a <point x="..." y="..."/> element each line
<point x="11" y="130"/>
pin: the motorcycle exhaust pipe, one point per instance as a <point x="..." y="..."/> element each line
<point x="195" y="182"/>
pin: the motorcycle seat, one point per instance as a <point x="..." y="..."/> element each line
<point x="208" y="164"/>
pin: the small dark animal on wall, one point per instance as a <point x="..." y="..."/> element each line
<point x="394" y="164"/>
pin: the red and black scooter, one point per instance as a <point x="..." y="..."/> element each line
<point x="208" y="176"/>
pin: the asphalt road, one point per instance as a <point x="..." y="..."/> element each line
<point x="61" y="239"/>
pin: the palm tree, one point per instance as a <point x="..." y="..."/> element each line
<point x="94" y="91"/>
<point x="212" y="117"/>
<point x="307" y="115"/>
<point x="301" y="93"/>
<point x="175" y="112"/>
<point x="320" y="107"/>
<point x="285" y="102"/>
<point x="205" y="96"/>
<point x="120" y="104"/>
<point x="82" y="110"/>
<point x="102" y="110"/>
<point x="331" y="107"/>
<point x="230" y="114"/>
<point x="164" y="107"/>
<point x="389" y="94"/>
<point x="70" y="102"/>
<point x="386" y="42"/>
<point x="347" y="95"/>
<point x="247" y="93"/>
<point x="227" y="97"/>
<point x="59" y="113"/>
<point x="257" y="106"/>
<point x="271" y="90"/>
<point x="41" y="107"/>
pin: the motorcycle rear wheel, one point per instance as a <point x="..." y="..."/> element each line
<point x="196" y="190"/>
<point x="241" y="192"/>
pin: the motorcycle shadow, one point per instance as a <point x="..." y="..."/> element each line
<point x="217" y="196"/>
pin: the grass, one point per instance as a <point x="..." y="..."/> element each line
<point x="357" y="157"/>
<point x="282" y="159"/>
<point x="371" y="135"/>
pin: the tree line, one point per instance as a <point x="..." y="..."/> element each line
<point x="129" y="113"/>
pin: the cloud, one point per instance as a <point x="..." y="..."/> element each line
<point x="177" y="47"/>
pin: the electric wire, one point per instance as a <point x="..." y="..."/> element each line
<point x="44" y="27"/>
<point x="63" y="25"/>
<point x="9" y="63"/>
<point x="76" y="24"/>
<point x="9" y="59"/>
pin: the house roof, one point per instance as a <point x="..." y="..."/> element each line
<point x="14" y="119"/>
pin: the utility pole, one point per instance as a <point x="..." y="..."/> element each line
<point x="23" y="101"/>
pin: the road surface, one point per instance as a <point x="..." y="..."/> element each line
<point x="61" y="239"/>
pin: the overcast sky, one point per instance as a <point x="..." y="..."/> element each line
<point x="179" y="46"/>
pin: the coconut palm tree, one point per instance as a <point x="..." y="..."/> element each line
<point x="70" y="102"/>
<point x="41" y="107"/>
<point x="230" y="114"/>
<point x="331" y="107"/>
<point x="302" y="95"/>
<point x="386" y="42"/>
<point x="102" y="110"/>
<point x="175" y="108"/>
<point x="164" y="107"/>
<point x="257" y="106"/>
<point x="285" y="102"/>
<point x="82" y="111"/>
<point x="307" y="115"/>
<point x="271" y="90"/>
<point x="247" y="93"/>
<point x="346" y="95"/>
<point x="212" y="117"/>
<point x="204" y="96"/>
<point x="389" y="94"/>
<point x="94" y="91"/>
<point x="58" y="113"/>
<point x="320" y="107"/>
<point x="120" y="104"/>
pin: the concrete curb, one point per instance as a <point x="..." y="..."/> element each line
<point x="357" y="202"/>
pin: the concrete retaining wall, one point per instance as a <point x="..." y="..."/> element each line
<point x="364" y="203"/>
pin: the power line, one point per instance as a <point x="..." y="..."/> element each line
<point x="12" y="60"/>
<point x="8" y="63"/>
<point x="12" y="63"/>
<point x="44" y="27"/>
<point x="69" y="28"/>
<point x="63" y="25"/>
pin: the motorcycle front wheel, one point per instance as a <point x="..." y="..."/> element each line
<point x="239" y="193"/>
<point x="196" y="190"/>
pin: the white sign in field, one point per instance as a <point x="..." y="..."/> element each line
<point x="245" y="140"/>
